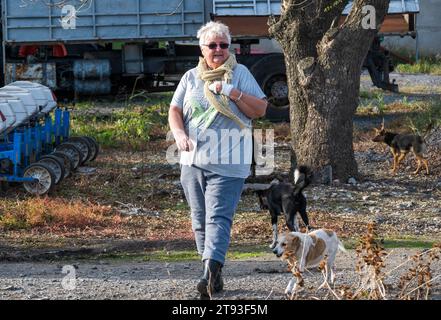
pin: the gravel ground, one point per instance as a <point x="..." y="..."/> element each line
<point x="262" y="278"/>
<point x="407" y="80"/>
<point x="412" y="87"/>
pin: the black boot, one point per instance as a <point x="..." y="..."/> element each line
<point x="207" y="283"/>
<point x="218" y="285"/>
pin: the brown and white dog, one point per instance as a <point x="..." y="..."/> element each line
<point x="309" y="250"/>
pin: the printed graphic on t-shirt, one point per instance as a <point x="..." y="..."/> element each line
<point x="200" y="117"/>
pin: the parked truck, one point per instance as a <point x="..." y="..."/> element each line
<point x="95" y="46"/>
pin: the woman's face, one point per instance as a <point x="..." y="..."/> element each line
<point x="215" y="56"/>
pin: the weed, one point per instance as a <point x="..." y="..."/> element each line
<point x="419" y="275"/>
<point x="365" y="94"/>
<point x="380" y="102"/>
<point x="128" y="128"/>
<point x="370" y="266"/>
<point x="428" y="116"/>
<point x="428" y="65"/>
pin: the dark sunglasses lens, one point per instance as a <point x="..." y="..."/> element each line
<point x="213" y="46"/>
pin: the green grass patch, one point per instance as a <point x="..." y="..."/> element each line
<point x="188" y="255"/>
<point x="428" y="116"/>
<point x="171" y="256"/>
<point x="366" y="94"/>
<point x="428" y="65"/>
<point x="235" y="253"/>
<point x="131" y="127"/>
<point x="395" y="243"/>
<point x="423" y="109"/>
<point x="372" y="102"/>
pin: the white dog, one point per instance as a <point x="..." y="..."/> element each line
<point x="309" y="250"/>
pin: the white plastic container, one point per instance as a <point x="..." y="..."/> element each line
<point x="7" y="117"/>
<point x="17" y="106"/>
<point x="41" y="93"/>
<point x="25" y="96"/>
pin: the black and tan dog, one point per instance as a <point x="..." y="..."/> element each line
<point x="400" y="145"/>
<point x="287" y="198"/>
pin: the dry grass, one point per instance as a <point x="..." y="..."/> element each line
<point x="54" y="213"/>
<point x="416" y="283"/>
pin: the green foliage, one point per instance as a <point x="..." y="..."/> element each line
<point x="371" y="101"/>
<point x="262" y="123"/>
<point x="131" y="127"/>
<point x="429" y="65"/>
<point x="365" y="94"/>
<point x="428" y="115"/>
<point x="333" y="5"/>
<point x="380" y="102"/>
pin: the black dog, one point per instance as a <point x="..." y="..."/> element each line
<point x="287" y="198"/>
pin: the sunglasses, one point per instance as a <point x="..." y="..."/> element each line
<point x="221" y="45"/>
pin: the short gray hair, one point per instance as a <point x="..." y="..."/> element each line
<point x="213" y="28"/>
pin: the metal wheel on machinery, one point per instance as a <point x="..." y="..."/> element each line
<point x="94" y="148"/>
<point x="45" y="179"/>
<point x="68" y="166"/>
<point x="83" y="145"/>
<point x="56" y="164"/>
<point x="72" y="152"/>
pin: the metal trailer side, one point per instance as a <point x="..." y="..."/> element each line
<point x="101" y="20"/>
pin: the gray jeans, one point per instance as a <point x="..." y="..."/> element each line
<point x="213" y="200"/>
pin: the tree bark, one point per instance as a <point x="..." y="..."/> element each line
<point x="323" y="66"/>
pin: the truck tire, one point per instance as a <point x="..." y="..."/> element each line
<point x="270" y="74"/>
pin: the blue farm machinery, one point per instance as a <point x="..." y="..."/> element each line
<point x="35" y="146"/>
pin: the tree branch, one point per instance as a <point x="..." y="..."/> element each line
<point x="351" y="38"/>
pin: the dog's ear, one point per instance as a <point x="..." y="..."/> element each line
<point x="379" y="135"/>
<point x="292" y="243"/>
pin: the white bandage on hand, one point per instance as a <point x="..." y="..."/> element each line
<point x="182" y="140"/>
<point x="213" y="86"/>
<point x="225" y="87"/>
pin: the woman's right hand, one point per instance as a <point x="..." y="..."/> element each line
<point x="182" y="140"/>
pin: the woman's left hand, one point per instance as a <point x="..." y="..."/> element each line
<point x="222" y="87"/>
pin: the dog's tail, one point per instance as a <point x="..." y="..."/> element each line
<point x="341" y="247"/>
<point x="302" y="178"/>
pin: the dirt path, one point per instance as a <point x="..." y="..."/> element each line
<point x="261" y="278"/>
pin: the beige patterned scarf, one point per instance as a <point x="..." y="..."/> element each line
<point x="225" y="73"/>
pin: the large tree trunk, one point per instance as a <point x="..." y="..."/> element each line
<point x="323" y="66"/>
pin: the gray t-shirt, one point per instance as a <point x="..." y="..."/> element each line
<point x="221" y="146"/>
